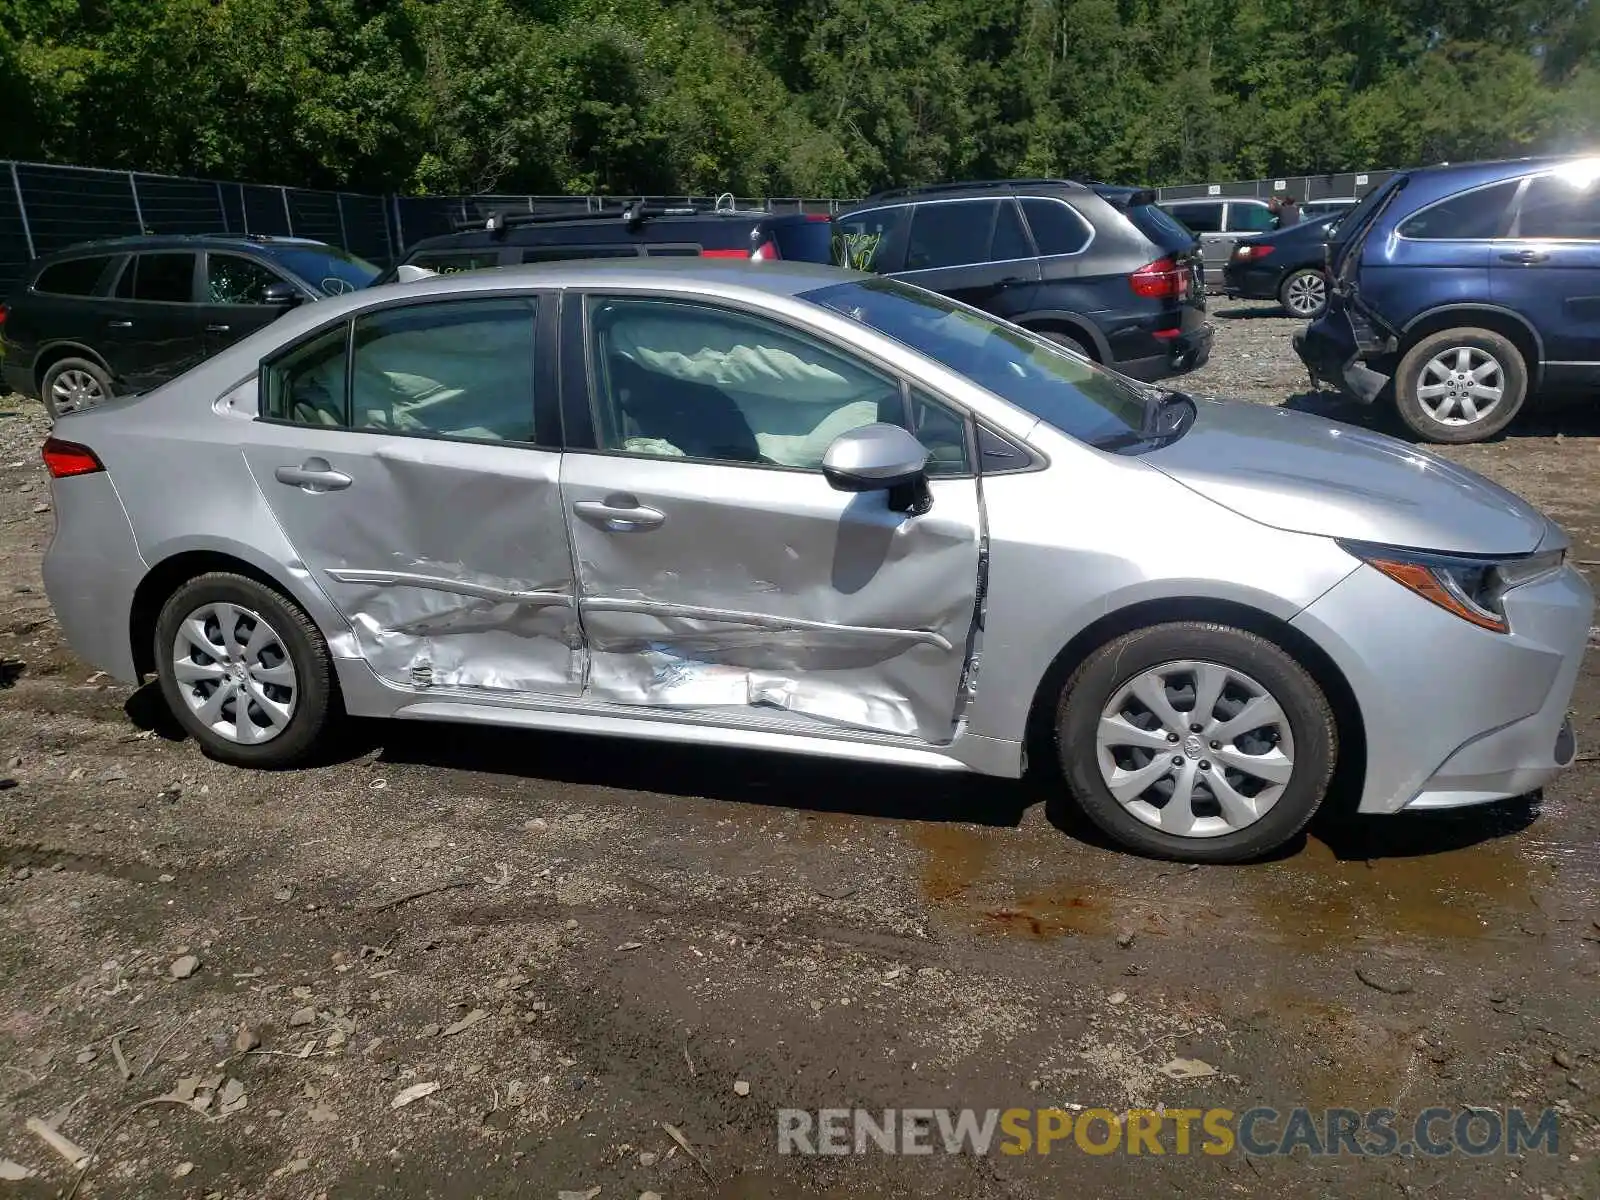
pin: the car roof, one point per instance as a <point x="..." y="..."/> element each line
<point x="182" y="241"/>
<point x="971" y="190"/>
<point x="516" y="234"/>
<point x="1498" y="168"/>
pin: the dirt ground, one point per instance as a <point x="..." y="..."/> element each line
<point x="633" y="940"/>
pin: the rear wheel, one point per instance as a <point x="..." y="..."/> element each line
<point x="244" y="671"/>
<point x="73" y="383"/>
<point x="1460" y="385"/>
<point x="1196" y="741"/>
<point x="1304" y="293"/>
<point x="1069" y="342"/>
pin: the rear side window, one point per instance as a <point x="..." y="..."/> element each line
<point x="1057" y="227"/>
<point x="859" y="239"/>
<point x="1558" y="207"/>
<point x="804" y="241"/>
<point x="165" y="278"/>
<point x="1479" y="213"/>
<point x="1250" y="218"/>
<point x="1201" y="218"/>
<point x="74" y="277"/>
<point x="954" y="233"/>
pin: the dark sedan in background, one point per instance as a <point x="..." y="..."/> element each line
<point x="1286" y="265"/>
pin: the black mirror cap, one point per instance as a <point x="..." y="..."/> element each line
<point x="281" y="295"/>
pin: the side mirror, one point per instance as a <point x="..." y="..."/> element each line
<point x="280" y="295"/>
<point x="877" y="458"/>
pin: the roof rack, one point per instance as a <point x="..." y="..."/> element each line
<point x="632" y="215"/>
<point x="963" y="185"/>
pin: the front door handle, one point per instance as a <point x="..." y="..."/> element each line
<point x="119" y="324"/>
<point x="1524" y="256"/>
<point x="217" y="328"/>
<point x="314" y="475"/>
<point x="620" y="514"/>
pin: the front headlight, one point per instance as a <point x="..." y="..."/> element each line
<point x="1473" y="589"/>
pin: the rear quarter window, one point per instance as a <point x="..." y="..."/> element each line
<point x="74" y="277"/>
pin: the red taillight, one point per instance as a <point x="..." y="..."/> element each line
<point x="1246" y="252"/>
<point x="68" y="458"/>
<point x="704" y="253"/>
<point x="765" y="252"/>
<point x="4" y="312"/>
<point x="1164" y="279"/>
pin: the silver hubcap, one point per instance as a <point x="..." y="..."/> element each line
<point x="235" y="673"/>
<point x="74" y="389"/>
<point x="1306" y="294"/>
<point x="1195" y="749"/>
<point x="1461" y="385"/>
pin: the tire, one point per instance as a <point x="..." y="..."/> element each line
<point x="1297" y="744"/>
<point x="1304" y="293"/>
<point x="1429" y="385"/>
<point x="1068" y="341"/>
<point x="73" y="383"/>
<point x="305" y="709"/>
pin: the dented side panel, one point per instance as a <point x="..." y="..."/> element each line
<point x="450" y="560"/>
<point x="767" y="592"/>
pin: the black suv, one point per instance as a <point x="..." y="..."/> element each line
<point x="1098" y="268"/>
<point x="128" y="314"/>
<point x="505" y="239"/>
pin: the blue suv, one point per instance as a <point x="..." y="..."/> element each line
<point x="1459" y="291"/>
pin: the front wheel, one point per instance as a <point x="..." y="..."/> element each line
<point x="1460" y="385"/>
<point x="245" y="671"/>
<point x="1196" y="741"/>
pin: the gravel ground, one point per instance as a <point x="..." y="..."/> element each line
<point x="461" y="963"/>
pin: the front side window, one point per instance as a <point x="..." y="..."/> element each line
<point x="673" y="379"/>
<point x="953" y="233"/>
<point x="1561" y="205"/>
<point x="859" y="238"/>
<point x="1200" y="218"/>
<point x="1057" y="228"/>
<point x="1468" y="216"/>
<point x="164" y="278"/>
<point x="234" y="279"/>
<point x="74" y="277"/>
<point x="1250" y="218"/>
<point x="460" y="369"/>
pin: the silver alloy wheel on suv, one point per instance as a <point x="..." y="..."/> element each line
<point x="1461" y="385"/>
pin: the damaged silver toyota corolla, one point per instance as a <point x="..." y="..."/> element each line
<point x="796" y="509"/>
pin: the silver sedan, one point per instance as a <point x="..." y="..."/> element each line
<point x="810" y="511"/>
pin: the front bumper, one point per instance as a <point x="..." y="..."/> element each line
<point x="1186" y="352"/>
<point x="1454" y="714"/>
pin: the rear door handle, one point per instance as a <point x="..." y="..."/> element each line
<point x="217" y="328"/>
<point x="314" y="475"/>
<point x="119" y="324"/>
<point x="620" y="514"/>
<point x="1524" y="256"/>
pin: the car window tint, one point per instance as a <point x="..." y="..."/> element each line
<point x="1476" y="214"/>
<point x="307" y="385"/>
<point x="949" y="234"/>
<point x="234" y="279"/>
<point x="1250" y="218"/>
<point x="859" y="238"/>
<point x="1200" y="218"/>
<point x="1057" y="229"/>
<point x="456" y="261"/>
<point x="675" y="379"/>
<point x="535" y="254"/>
<point x="942" y="432"/>
<point x="809" y="240"/>
<point x="1555" y="206"/>
<point x="74" y="277"/>
<point x="462" y="368"/>
<point x="168" y="278"/>
<point x="1010" y="239"/>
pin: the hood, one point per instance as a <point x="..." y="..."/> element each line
<point x="1306" y="474"/>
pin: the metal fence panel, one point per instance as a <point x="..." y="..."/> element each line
<point x="265" y="210"/>
<point x="67" y="205"/>
<point x="14" y="254"/>
<point x="315" y="215"/>
<point x="169" y="205"/>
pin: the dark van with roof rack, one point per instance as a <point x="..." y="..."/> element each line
<point x="1097" y="268"/>
<point x="127" y="314"/>
<point x="507" y="239"/>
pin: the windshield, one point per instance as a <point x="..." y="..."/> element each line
<point x="332" y="271"/>
<point x="1036" y="375"/>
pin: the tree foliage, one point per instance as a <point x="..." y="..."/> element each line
<point x="786" y="97"/>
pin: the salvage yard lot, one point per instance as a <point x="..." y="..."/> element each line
<point x="561" y="947"/>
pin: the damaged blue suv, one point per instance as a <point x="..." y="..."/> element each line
<point x="1460" y="291"/>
